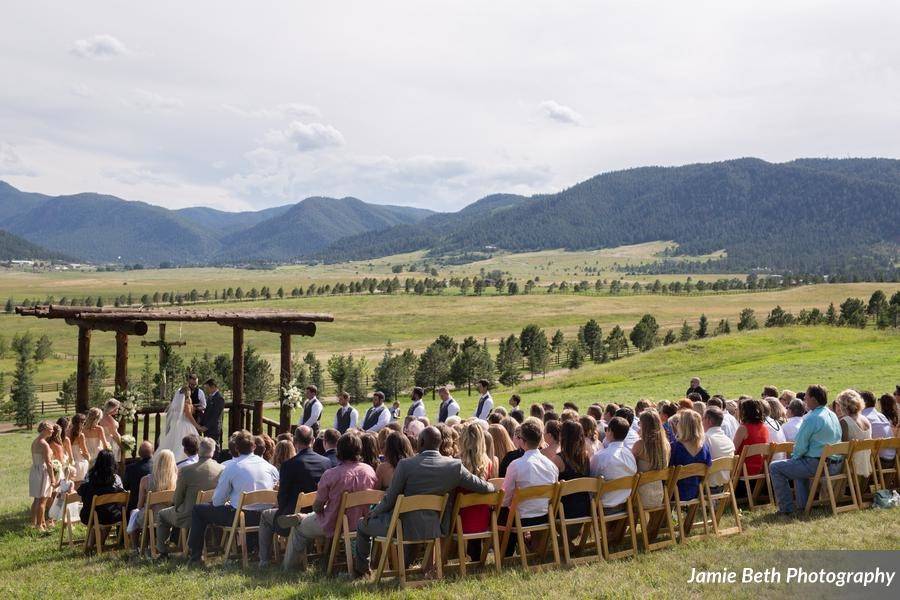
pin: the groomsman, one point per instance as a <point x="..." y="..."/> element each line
<point x="312" y="409"/>
<point x="516" y="413"/>
<point x="485" y="403"/>
<point x="417" y="408"/>
<point x="378" y="416"/>
<point x="449" y="407"/>
<point x="346" y="416"/>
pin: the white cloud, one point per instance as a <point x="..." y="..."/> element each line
<point x="81" y="90"/>
<point x="11" y="163"/>
<point x="560" y="112"/>
<point x="137" y="176"/>
<point x="99" y="47"/>
<point x="153" y="102"/>
<point x="307" y="137"/>
<point x="290" y="110"/>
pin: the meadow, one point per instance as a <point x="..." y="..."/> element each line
<point x="31" y="566"/>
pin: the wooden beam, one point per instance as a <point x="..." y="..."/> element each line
<point x="281" y="327"/>
<point x="198" y="315"/>
<point x="284" y="423"/>
<point x="237" y="378"/>
<point x="83" y="369"/>
<point x="126" y="327"/>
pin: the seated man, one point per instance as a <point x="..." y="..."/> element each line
<point x="136" y="471"/>
<point x="720" y="445"/>
<point x="298" y="475"/>
<point x="246" y="473"/>
<point x="820" y="428"/>
<point x="614" y="461"/>
<point x="190" y="444"/>
<point x="330" y="439"/>
<point x="426" y="473"/>
<point x="628" y="415"/>
<point x="198" y="477"/>
<point x="350" y="475"/>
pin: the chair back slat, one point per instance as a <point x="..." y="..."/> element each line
<point x="115" y="498"/>
<point x="654" y="476"/>
<point x="259" y="497"/>
<point x="363" y="498"/>
<point x="781" y="447"/>
<point x="160" y="497"/>
<point x="205" y="496"/>
<point x="756" y="450"/>
<point x="839" y="449"/>
<point x="421" y="502"/>
<point x="613" y="485"/>
<point x="577" y="486"/>
<point x="534" y="492"/>
<point x="304" y="501"/>
<point x="891" y="443"/>
<point x="725" y="463"/>
<point x="862" y="445"/>
<point x="692" y="470"/>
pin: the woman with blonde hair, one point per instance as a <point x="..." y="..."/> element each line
<point x="162" y="478"/>
<point x="489" y="448"/>
<point x="690" y="448"/>
<point x="110" y="425"/>
<point x="503" y="443"/>
<point x="474" y="457"/>
<point x="284" y="450"/>
<point x="41" y="478"/>
<point x="775" y="419"/>
<point x="652" y="453"/>
<point x="80" y="455"/>
<point x="854" y="426"/>
<point x="94" y="435"/>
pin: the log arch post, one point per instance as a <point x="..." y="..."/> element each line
<point x="284" y="421"/>
<point x="121" y="384"/>
<point x="83" y="370"/>
<point x="258" y="406"/>
<point x="237" y="379"/>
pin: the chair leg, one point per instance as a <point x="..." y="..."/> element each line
<point x="332" y="554"/>
<point x="554" y="543"/>
<point x="438" y="559"/>
<point x="382" y="560"/>
<point x="400" y="556"/>
<point x="245" y="560"/>
<point x="523" y="551"/>
<point x="461" y="549"/>
<point x="498" y="556"/>
<point x="565" y="539"/>
<point x="348" y="550"/>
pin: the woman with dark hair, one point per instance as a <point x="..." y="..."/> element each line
<point x="102" y="478"/>
<point x="63" y="424"/>
<point x="573" y="461"/>
<point x="79" y="448"/>
<point x="369" y="454"/>
<point x="396" y="448"/>
<point x="753" y="430"/>
<point x="551" y="439"/>
<point x="888" y="406"/>
<point x="591" y="435"/>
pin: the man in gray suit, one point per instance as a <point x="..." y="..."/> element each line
<point x="201" y="476"/>
<point x="426" y="473"/>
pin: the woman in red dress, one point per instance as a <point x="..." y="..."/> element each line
<point x="753" y="430"/>
<point x="473" y="454"/>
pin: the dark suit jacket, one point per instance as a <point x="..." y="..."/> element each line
<point x="704" y="395"/>
<point x="299" y="474"/>
<point x="332" y="456"/>
<point x="427" y="473"/>
<point x="212" y="417"/>
<point x="132" y="481"/>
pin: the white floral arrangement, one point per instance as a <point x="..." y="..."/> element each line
<point x="128" y="443"/>
<point x="293" y="396"/>
<point x="127" y="405"/>
<point x="57" y="469"/>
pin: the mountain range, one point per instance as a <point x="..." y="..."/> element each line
<point x="809" y="215"/>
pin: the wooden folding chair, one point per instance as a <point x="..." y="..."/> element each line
<point x="686" y="510"/>
<point x="888" y="476"/>
<point x="652" y="518"/>
<point x="239" y="526"/>
<point x="514" y="523"/>
<point x="497" y="482"/>
<point x="304" y="504"/>
<point x="96" y="530"/>
<point x="66" y="527"/>
<point x="865" y="485"/>
<point x="148" y="531"/>
<point x="204" y="497"/>
<point x="343" y="531"/>
<point x="719" y="501"/>
<point x="588" y="523"/>
<point x="494" y="500"/>
<point x="393" y="539"/>
<point x="759" y="480"/>
<point x="620" y="519"/>
<point x="834" y="484"/>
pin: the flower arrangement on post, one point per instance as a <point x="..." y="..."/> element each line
<point x="128" y="444"/>
<point x="128" y="404"/>
<point x="291" y="397"/>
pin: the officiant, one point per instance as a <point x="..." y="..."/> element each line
<point x="198" y="398"/>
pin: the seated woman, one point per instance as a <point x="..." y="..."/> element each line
<point x="551" y="439"/>
<point x="474" y="457"/>
<point x="396" y="448"/>
<point x="775" y="419"/>
<point x="163" y="477"/>
<point x="652" y="453"/>
<point x="284" y="450"/>
<point x="102" y="478"/>
<point x="854" y="426"/>
<point x="573" y="461"/>
<point x="752" y="431"/>
<point x="690" y="448"/>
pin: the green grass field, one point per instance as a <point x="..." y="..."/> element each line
<point x="31" y="566"/>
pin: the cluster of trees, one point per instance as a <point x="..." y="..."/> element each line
<point x="23" y="396"/>
<point x="852" y="312"/>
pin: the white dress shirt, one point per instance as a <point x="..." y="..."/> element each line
<point x="486" y="408"/>
<point x="613" y="462"/>
<point x="418" y="409"/>
<point x="314" y="412"/>
<point x="187" y="461"/>
<point x="729" y="424"/>
<point x="776" y="435"/>
<point x="791" y="427"/>
<point x="720" y="445"/>
<point x="631" y="438"/>
<point x="383" y="419"/>
<point x="248" y="474"/>
<point x="881" y="428"/>
<point x="354" y="416"/>
<point x="452" y="407"/>
<point x="529" y="470"/>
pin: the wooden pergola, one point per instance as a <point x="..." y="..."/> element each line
<point x="133" y="321"/>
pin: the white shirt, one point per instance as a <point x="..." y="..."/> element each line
<point x="354" y="416"/>
<point x="881" y="428"/>
<point x="418" y="409"/>
<point x="201" y="398"/>
<point x="314" y="412"/>
<point x="729" y="424"/>
<point x="452" y="407"/>
<point x="631" y="438"/>
<point x="776" y="434"/>
<point x="529" y="470"/>
<point x="187" y="461"/>
<point x="720" y="445"/>
<point x="383" y="419"/>
<point x="248" y="474"/>
<point x="486" y="408"/>
<point x="613" y="462"/>
<point x="791" y="427"/>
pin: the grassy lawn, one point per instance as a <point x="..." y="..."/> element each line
<point x="31" y="566"/>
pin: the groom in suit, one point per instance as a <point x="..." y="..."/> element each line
<point x="212" y="417"/>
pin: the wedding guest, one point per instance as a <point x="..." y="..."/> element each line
<point x="350" y="475"/>
<point x="346" y="416"/>
<point x="110" y="425"/>
<point x="881" y="426"/>
<point x="136" y="471"/>
<point x="502" y="442"/>
<point x="516" y="413"/>
<point x="551" y="439"/>
<point x="448" y="406"/>
<point x="41" y="478"/>
<point x="192" y="479"/>
<point x="888" y="406"/>
<point x="474" y="457"/>
<point x="330" y="439"/>
<point x="752" y="431"/>
<point x="449" y="440"/>
<point x="396" y="448"/>
<point x="573" y="461"/>
<point x="691" y="447"/>
<point x="666" y="412"/>
<point x="775" y="418"/>
<point x="516" y="453"/>
<point x="80" y="454"/>
<point x="639" y="407"/>
<point x="615" y="460"/>
<point x="854" y="426"/>
<point x="720" y="445"/>
<point x="536" y="411"/>
<point x="162" y="478"/>
<point x="696" y="388"/>
<point x="729" y="423"/>
<point x="485" y="401"/>
<point x="284" y="450"/>
<point x="489" y="448"/>
<point x="211" y="419"/>
<point x="268" y="447"/>
<point x="510" y="425"/>
<point x="190" y="444"/>
<point x="299" y="475"/>
<point x="651" y="453"/>
<point x="312" y="409"/>
<point x="769" y="391"/>
<point x="94" y="435"/>
<point x="591" y="435"/>
<point x="370" y="454"/>
<point x="786" y="397"/>
<point x="378" y="416"/>
<point x="102" y="478"/>
<point x="633" y="435"/>
<point x="609" y="412"/>
<point x="247" y="473"/>
<point x="796" y="411"/>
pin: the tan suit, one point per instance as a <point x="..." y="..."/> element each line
<point x="198" y="477"/>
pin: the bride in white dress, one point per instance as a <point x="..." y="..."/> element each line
<point x="179" y="423"/>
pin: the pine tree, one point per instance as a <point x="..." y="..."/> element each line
<point x="645" y="333"/>
<point x="509" y="359"/>
<point x="556" y="344"/>
<point x="831" y="315"/>
<point x="67" y="392"/>
<point x="434" y="367"/>
<point x="9" y="306"/>
<point x="616" y="341"/>
<point x="23" y="396"/>
<point x="539" y="356"/>
<point x="670" y="338"/>
<point x="576" y="356"/>
<point x="747" y="320"/>
<point x="590" y="334"/>
<point x="144" y="386"/>
<point x="703" y="327"/>
<point x="43" y="349"/>
<point x="686" y="333"/>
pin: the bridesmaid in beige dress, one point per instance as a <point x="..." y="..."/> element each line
<point x="110" y="424"/>
<point x="80" y="456"/>
<point x="94" y="435"/>
<point x="41" y="479"/>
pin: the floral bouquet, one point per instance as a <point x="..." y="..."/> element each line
<point x="57" y="469"/>
<point x="128" y="443"/>
<point x="128" y="403"/>
<point x="293" y="396"/>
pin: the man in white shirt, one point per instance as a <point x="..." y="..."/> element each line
<point x="449" y="407"/>
<point x="614" y="461"/>
<point x="729" y="423"/>
<point x="633" y="434"/>
<point x="190" y="444"/>
<point x="312" y="409"/>
<point x="796" y="409"/>
<point x="417" y="408"/>
<point x="378" y="416"/>
<point x="881" y="427"/>
<point x="248" y="473"/>
<point x="485" y="402"/>
<point x="346" y="416"/>
<point x="720" y="445"/>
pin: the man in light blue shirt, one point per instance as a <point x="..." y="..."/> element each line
<point x="820" y="428"/>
